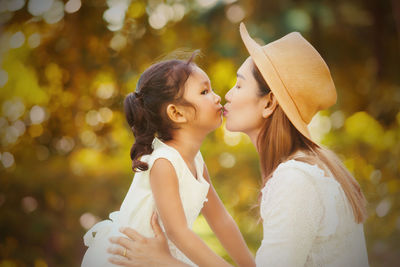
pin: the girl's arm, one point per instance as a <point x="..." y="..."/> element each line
<point x="164" y="184"/>
<point x="225" y="227"/>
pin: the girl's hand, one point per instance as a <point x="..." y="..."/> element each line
<point x="141" y="251"/>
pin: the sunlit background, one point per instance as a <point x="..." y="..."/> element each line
<point x="65" y="67"/>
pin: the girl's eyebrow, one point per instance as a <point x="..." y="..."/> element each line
<point x="240" y="76"/>
<point x="206" y="82"/>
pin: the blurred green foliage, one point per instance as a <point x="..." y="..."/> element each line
<point x="67" y="65"/>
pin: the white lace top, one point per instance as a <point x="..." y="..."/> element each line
<point x="308" y="221"/>
<point x="138" y="206"/>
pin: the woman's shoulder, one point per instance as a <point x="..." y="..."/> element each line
<point x="294" y="177"/>
<point x="295" y="171"/>
<point x="297" y="180"/>
<point x="300" y="168"/>
<point x="291" y="190"/>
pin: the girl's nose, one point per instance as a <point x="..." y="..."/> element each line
<point x="217" y="98"/>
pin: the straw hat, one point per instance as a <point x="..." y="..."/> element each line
<point x="296" y="74"/>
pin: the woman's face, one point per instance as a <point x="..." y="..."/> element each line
<point x="244" y="106"/>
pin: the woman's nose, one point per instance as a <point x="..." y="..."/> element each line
<point x="228" y="96"/>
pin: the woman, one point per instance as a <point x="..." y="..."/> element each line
<point x="312" y="208"/>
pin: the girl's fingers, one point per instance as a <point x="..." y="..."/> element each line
<point x="132" y="234"/>
<point x="155" y="225"/>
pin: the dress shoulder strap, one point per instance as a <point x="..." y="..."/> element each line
<point x="161" y="150"/>
<point x="199" y="159"/>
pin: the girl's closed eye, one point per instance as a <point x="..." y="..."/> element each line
<point x="205" y="91"/>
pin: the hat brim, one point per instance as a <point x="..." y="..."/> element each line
<point x="275" y="83"/>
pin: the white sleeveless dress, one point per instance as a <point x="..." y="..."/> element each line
<point x="139" y="205"/>
<point x="308" y="221"/>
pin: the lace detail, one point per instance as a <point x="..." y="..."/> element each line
<point x="327" y="187"/>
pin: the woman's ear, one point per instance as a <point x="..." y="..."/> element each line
<point x="270" y="105"/>
<point x="175" y="114"/>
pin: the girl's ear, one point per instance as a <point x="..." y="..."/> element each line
<point x="175" y="114"/>
<point x="269" y="105"/>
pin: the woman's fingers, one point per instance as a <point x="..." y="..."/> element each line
<point x="117" y="250"/>
<point x="121" y="262"/>
<point x="132" y="234"/>
<point x="122" y="241"/>
<point x="156" y="226"/>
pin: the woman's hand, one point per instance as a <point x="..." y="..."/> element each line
<point x="138" y="250"/>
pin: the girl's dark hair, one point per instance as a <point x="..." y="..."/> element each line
<point x="145" y="109"/>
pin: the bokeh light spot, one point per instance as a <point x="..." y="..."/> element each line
<point x="227" y="160"/>
<point x="105" y="90"/>
<point x="34" y="40"/>
<point x="55" y="13"/>
<point x="72" y="6"/>
<point x="14" y="5"/>
<point x="232" y="138"/>
<point x="3" y="78"/>
<point x="87" y="220"/>
<point x="383" y="208"/>
<point x="235" y="13"/>
<point x="37" y="114"/>
<point x="7" y="159"/>
<point x="38" y="7"/>
<point x="17" y="40"/>
<point x="29" y="204"/>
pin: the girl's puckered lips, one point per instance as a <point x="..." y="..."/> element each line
<point x="225" y="110"/>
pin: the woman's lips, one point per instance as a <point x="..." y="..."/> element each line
<point x="225" y="111"/>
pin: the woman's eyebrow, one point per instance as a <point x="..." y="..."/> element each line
<point x="240" y="76"/>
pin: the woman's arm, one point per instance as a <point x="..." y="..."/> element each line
<point x="225" y="228"/>
<point x="164" y="184"/>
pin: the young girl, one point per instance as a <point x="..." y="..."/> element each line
<point x="171" y="112"/>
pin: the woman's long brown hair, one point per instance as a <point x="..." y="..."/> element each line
<point x="280" y="141"/>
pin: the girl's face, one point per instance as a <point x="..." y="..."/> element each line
<point x="198" y="92"/>
<point x="244" y="107"/>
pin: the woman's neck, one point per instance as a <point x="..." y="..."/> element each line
<point x="253" y="135"/>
